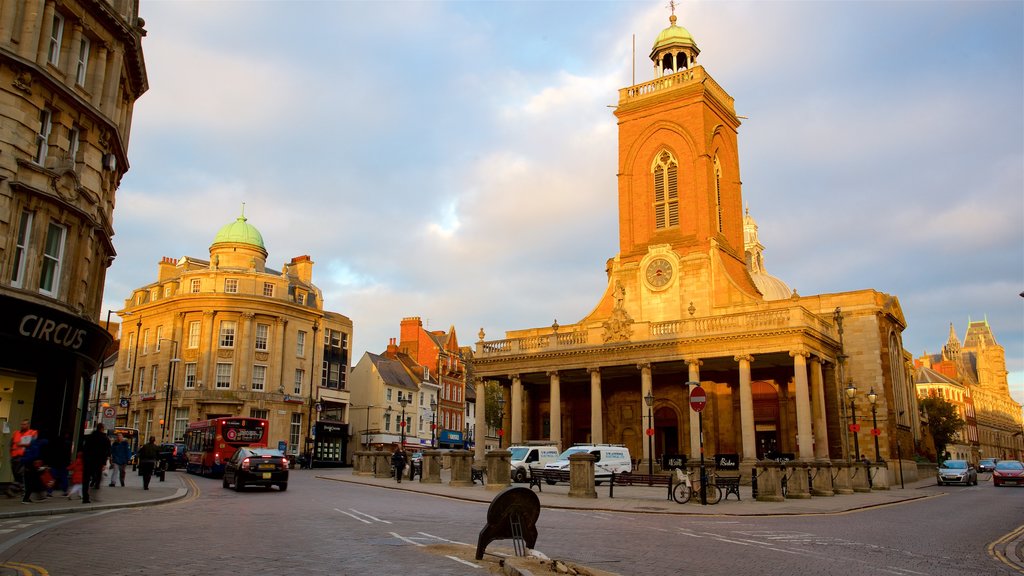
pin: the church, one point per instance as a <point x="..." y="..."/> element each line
<point x="688" y="300"/>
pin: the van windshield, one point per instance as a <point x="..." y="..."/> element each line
<point x="569" y="452"/>
<point x="519" y="453"/>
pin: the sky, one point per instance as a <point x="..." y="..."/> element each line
<point x="456" y="161"/>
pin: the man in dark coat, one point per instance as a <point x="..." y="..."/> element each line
<point x="398" y="461"/>
<point x="97" y="451"/>
<point x="148" y="456"/>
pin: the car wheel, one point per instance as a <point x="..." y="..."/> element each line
<point x="282" y="486"/>
<point x="941" y="483"/>
<point x="520" y="475"/>
<point x="224" y="482"/>
<point x="239" y="485"/>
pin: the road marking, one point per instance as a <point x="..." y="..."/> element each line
<point x="444" y="539"/>
<point x="26" y="569"/>
<point x="404" y="539"/>
<point x="354" y="516"/>
<point x="461" y="561"/>
<point x="374" y="518"/>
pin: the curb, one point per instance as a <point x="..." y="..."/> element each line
<point x="98" y="505"/>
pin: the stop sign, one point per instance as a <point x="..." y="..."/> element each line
<point x="698" y="399"/>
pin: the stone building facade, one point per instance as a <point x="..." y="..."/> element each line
<point x="228" y="336"/>
<point x="688" y="300"/>
<point x="70" y="73"/>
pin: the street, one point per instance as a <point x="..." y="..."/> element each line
<point x="327" y="527"/>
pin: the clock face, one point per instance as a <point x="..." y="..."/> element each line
<point x="659" y="272"/>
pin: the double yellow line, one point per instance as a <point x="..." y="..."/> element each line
<point x="997" y="549"/>
<point x="25" y="569"/>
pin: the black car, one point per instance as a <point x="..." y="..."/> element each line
<point x="987" y="465"/>
<point x="173" y="456"/>
<point x="256" y="467"/>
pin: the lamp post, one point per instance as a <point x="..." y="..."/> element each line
<point x="851" y="391"/>
<point x="649" y="399"/>
<point x="310" y="441"/>
<point x="872" y="397"/>
<point x="387" y="419"/>
<point x="433" y="426"/>
<point x="169" y="390"/>
<point x="501" y="419"/>
<point x="404" y="402"/>
<point x="366" y="432"/>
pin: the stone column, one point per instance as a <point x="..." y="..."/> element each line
<point x="746" y="410"/>
<point x="769" y="482"/>
<point x="431" y="467"/>
<point x="821" y="484"/>
<point x="596" y="407"/>
<point x="818" y="406"/>
<point x="499" y="470"/>
<point x="581" y="476"/>
<point x="803" y="406"/>
<point x="382" y="464"/>
<point x="841" y="482"/>
<point x="556" y="409"/>
<point x="516" y="432"/>
<point x="797" y="485"/>
<point x="210" y="346"/>
<point x="462" y="468"/>
<point x="694" y="365"/>
<point x="43" y="29"/>
<point x="7" y="11"/>
<point x="71" y="64"/>
<point x="277" y="361"/>
<point x="243" y="349"/>
<point x="112" y="77"/>
<point x="645" y="389"/>
<point x="480" y="424"/>
<point x="97" y="73"/>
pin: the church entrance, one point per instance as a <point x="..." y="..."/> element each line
<point x="666" y="432"/>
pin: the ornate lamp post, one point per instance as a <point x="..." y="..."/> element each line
<point x="649" y="399"/>
<point x="433" y="423"/>
<point x="872" y="397"/>
<point x="404" y="402"/>
<point x="501" y="419"/>
<point x="851" y="391"/>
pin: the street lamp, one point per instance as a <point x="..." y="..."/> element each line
<point x="404" y="402"/>
<point x="170" y="386"/>
<point x="851" y="391"/>
<point x="310" y="441"/>
<point x="872" y="397"/>
<point x="387" y="420"/>
<point x="501" y="419"/>
<point x="649" y="399"/>
<point x="433" y="428"/>
<point x="366" y="432"/>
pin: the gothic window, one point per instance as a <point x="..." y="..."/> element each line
<point x="666" y="191"/>
<point x="718" y="192"/>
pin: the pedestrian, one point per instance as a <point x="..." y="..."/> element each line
<point x="148" y="455"/>
<point x="31" y="464"/>
<point x="20" y="440"/>
<point x="120" y="454"/>
<point x="97" y="451"/>
<point x="398" y="462"/>
<point x="75" y="472"/>
<point x="57" y="456"/>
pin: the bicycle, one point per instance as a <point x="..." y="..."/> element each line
<point x="687" y="489"/>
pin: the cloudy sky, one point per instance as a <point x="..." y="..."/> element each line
<point x="456" y="160"/>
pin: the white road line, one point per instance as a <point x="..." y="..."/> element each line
<point x="353" y="516"/>
<point x="374" y="518"/>
<point x="410" y="541"/>
<point x="444" y="539"/>
<point x="461" y="561"/>
<point x="6" y="530"/>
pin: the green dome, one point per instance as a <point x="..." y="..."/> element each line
<point x="673" y="35"/>
<point x="240" y="231"/>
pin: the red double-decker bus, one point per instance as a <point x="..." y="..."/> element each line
<point x="210" y="443"/>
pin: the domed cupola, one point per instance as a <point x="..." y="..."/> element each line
<point x="238" y="245"/>
<point x="771" y="287"/>
<point x="674" y="50"/>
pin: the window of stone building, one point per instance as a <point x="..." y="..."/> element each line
<point x="193" y="334"/>
<point x="149" y="425"/>
<point x="142" y="377"/>
<point x="56" y="35"/>
<point x="300" y="344"/>
<point x="159" y="336"/>
<point x="231" y="285"/>
<point x="167" y="290"/>
<point x="300" y="298"/>
<point x="145" y="341"/>
<point x="180" y="423"/>
<point x="294" y="433"/>
<point x="74" y="135"/>
<point x="666" y="191"/>
<point x="20" y="248"/>
<point x="389" y="394"/>
<point x="43" y="136"/>
<point x="190" y="375"/>
<point x="131" y="348"/>
<point x="300" y="377"/>
<point x="223" y="375"/>
<point x="259" y="377"/>
<point x="53" y="257"/>
<point x="227" y="334"/>
<point x="268" y="289"/>
<point x="82" y="65"/>
<point x="262" y="334"/>
<point x="196" y="284"/>
<point x="153" y="378"/>
<point x="259" y="413"/>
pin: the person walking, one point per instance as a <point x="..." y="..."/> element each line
<point x="398" y="462"/>
<point x="120" y="454"/>
<point x="31" y="462"/>
<point x="148" y="455"/>
<point x="75" y="474"/>
<point x="20" y="440"/>
<point x="97" y="452"/>
<point x="57" y="456"/>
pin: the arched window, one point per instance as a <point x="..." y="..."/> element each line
<point x="666" y="191"/>
<point x="718" y="192"/>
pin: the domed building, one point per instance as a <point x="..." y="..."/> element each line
<point x="770" y="287"/>
<point x="227" y="336"/>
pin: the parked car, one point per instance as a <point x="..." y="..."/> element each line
<point x="173" y="456"/>
<point x="987" y="465"/>
<point x="957" y="472"/>
<point x="256" y="467"/>
<point x="1008" y="472"/>
<point x="608" y="459"/>
<point x="523" y="457"/>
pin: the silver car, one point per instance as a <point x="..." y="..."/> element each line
<point x="957" y="472"/>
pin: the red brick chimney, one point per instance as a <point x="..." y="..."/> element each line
<point x="392" y="351"/>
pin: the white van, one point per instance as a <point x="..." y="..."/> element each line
<point x="608" y="459"/>
<point x="525" y="456"/>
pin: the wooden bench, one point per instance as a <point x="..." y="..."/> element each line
<point x="728" y="485"/>
<point x="631" y="479"/>
<point x="538" y="475"/>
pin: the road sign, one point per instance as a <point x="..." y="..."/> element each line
<point x="109" y="412"/>
<point x="319" y="407"/>
<point x="854" y="428"/>
<point x="124" y="402"/>
<point x="876" y="432"/>
<point x="650" y="431"/>
<point x="698" y="399"/>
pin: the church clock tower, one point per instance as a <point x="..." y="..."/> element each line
<point x="680" y="206"/>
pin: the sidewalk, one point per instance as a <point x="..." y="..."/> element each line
<point x="174" y="487"/>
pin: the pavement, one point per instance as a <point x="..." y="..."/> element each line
<point x="632" y="499"/>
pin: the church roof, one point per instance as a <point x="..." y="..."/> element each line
<point x="673" y="35"/>
<point x="928" y="376"/>
<point x="240" y="231"/>
<point x="770" y="286"/>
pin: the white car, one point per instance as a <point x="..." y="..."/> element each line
<point x="608" y="459"/>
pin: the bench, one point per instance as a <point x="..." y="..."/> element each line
<point x="630" y="479"/>
<point x="476" y="474"/>
<point x="538" y="475"/>
<point x="728" y="485"/>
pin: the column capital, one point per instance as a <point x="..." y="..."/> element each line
<point x="552" y="373"/>
<point x="693" y="362"/>
<point x="643" y="366"/>
<point x="799" y="352"/>
<point x="210" y="313"/>
<point x="743" y="357"/>
<point x="594" y="369"/>
<point x="513" y="376"/>
<point x="248" y="315"/>
<point x="818" y="359"/>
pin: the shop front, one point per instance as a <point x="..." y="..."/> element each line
<point x="330" y="443"/>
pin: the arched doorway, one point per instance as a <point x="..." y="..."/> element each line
<point x="666" y="432"/>
<point x="766" y="417"/>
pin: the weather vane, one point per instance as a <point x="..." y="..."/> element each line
<point x="672" y="6"/>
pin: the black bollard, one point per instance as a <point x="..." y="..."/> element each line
<point x="753" y="482"/>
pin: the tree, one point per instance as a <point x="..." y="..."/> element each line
<point x="492" y="391"/>
<point x="944" y="422"/>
